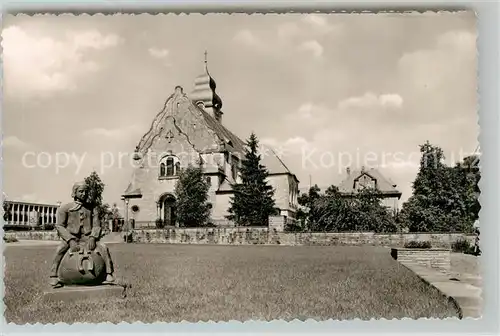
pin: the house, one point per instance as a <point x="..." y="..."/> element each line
<point x="356" y="180"/>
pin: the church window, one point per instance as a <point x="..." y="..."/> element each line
<point x="170" y="166"/>
<point x="177" y="168"/>
<point x="234" y="171"/>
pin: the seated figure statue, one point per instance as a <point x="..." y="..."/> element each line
<point x="80" y="229"/>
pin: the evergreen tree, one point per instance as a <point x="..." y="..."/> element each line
<point x="252" y="202"/>
<point x="192" y="206"/>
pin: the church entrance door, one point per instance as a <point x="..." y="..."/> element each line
<point x="168" y="213"/>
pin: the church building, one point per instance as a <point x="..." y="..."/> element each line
<point x="189" y="130"/>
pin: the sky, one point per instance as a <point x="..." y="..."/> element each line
<point x="327" y="91"/>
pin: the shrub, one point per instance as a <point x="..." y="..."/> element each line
<point x="10" y="239"/>
<point x="293" y="228"/>
<point x="418" y="244"/>
<point x="159" y="223"/>
<point x="462" y="245"/>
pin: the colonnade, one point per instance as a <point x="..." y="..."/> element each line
<point x="20" y="213"/>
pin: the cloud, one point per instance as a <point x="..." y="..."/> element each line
<point x="37" y="65"/>
<point x="113" y="133"/>
<point x="319" y="23"/>
<point x="158" y="52"/>
<point x="246" y="37"/>
<point x="290" y="146"/>
<point x="457" y="39"/>
<point x="311" y="112"/>
<point x="370" y="100"/>
<point x="93" y="39"/>
<point x="288" y="30"/>
<point x="15" y="143"/>
<point x="437" y="67"/>
<point x="312" y="46"/>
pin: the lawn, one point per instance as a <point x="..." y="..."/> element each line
<point x="172" y="283"/>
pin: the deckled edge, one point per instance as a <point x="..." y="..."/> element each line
<point x="228" y="10"/>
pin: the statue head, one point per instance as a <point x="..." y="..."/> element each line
<point x="80" y="190"/>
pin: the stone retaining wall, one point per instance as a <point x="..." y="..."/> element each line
<point x="262" y="235"/>
<point x="33" y="235"/>
<point x="438" y="259"/>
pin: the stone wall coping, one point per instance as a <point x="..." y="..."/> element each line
<point x="420" y="249"/>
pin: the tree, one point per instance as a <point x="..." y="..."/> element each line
<point x="7" y="211"/>
<point x="252" y="202"/>
<point x="193" y="208"/>
<point x="444" y="198"/>
<point x="306" y="200"/>
<point x="360" y="212"/>
<point x="94" y="198"/>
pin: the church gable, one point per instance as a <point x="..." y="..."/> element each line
<point x="180" y="127"/>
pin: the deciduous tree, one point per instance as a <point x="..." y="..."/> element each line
<point x="191" y="190"/>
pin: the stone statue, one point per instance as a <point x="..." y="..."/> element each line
<point x="80" y="258"/>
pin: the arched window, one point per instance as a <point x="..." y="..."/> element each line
<point x="169" y="166"/>
<point x="234" y="171"/>
<point x="177" y="168"/>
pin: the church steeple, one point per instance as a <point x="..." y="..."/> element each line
<point x="204" y="94"/>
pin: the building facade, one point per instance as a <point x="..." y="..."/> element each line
<point x="19" y="215"/>
<point x="190" y="130"/>
<point x="356" y="180"/>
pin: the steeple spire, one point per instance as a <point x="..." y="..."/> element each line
<point x="204" y="94"/>
<point x="206" y="61"/>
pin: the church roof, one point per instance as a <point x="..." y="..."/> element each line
<point x="384" y="185"/>
<point x="233" y="143"/>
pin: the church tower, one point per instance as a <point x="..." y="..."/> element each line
<point x="204" y="95"/>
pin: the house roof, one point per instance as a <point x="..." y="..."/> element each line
<point x="384" y="185"/>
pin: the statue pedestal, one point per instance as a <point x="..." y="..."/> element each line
<point x="72" y="293"/>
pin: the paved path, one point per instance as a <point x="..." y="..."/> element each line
<point x="32" y="243"/>
<point x="464" y="289"/>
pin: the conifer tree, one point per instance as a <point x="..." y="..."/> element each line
<point x="192" y="206"/>
<point x="252" y="202"/>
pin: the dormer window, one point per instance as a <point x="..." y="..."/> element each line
<point x="170" y="166"/>
<point x="365" y="182"/>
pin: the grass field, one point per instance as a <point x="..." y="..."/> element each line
<point x="198" y="282"/>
